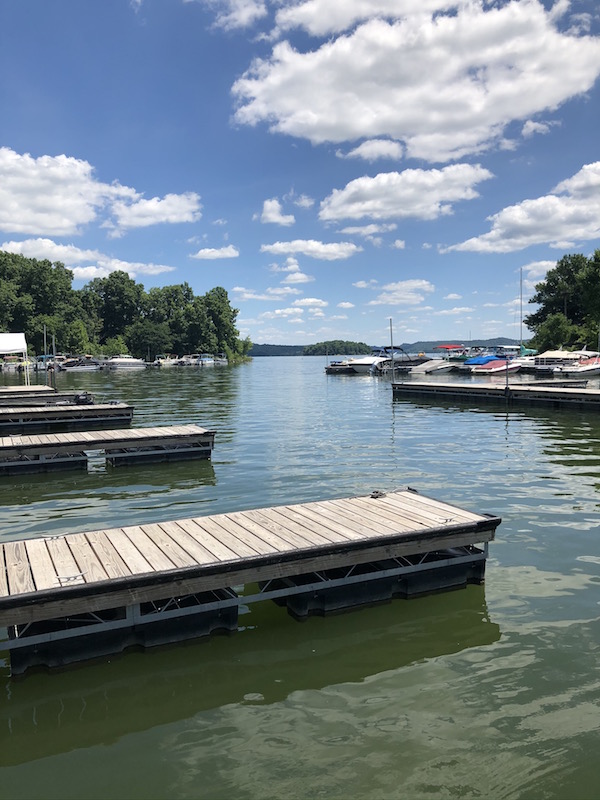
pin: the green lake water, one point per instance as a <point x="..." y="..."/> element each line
<point x="488" y="692"/>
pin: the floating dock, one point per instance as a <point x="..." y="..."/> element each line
<point x="44" y="452"/>
<point x="562" y="397"/>
<point x="38" y="395"/>
<point x="86" y="595"/>
<point x="20" y="419"/>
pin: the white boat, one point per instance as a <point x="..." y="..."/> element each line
<point x="432" y="367"/>
<point x="495" y="367"/>
<point x="166" y="361"/>
<point x="206" y="360"/>
<point x="83" y="364"/>
<point x="366" y="364"/>
<point x="124" y="362"/>
<point x="585" y="366"/>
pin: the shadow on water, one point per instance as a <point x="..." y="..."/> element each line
<point x="100" y="703"/>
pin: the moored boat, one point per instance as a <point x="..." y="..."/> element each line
<point x="124" y="361"/>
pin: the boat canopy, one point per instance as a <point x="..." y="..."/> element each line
<point x="13" y="343"/>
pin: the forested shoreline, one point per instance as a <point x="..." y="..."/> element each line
<point x="114" y="314"/>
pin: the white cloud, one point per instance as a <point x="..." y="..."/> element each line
<point x="272" y="212"/>
<point x="345" y="304"/>
<point x="531" y="128"/>
<point x="280" y="313"/>
<point x="74" y="258"/>
<point x="453" y="296"/>
<point x="369" y="231"/>
<point x="275" y="294"/>
<point x="172" y="208"/>
<point x="374" y="149"/>
<point x="403" y="293"/>
<point x="298" y="277"/>
<point x="445" y="85"/>
<point x="365" y="284"/>
<point x="571" y="213"/>
<point x="304" y="201"/>
<point x="399" y="244"/>
<point x="310" y="302"/>
<point x="213" y="253"/>
<point x="417" y="193"/>
<point x="453" y="311"/>
<point x="237" y="14"/>
<point x="309" y="247"/>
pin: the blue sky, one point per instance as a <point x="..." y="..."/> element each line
<point x="331" y="163"/>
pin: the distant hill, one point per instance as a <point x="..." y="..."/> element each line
<point x="413" y="347"/>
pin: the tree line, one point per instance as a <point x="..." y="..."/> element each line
<point x="569" y="305"/>
<point x="113" y="315"/>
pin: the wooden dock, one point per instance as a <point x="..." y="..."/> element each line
<point x="73" y="597"/>
<point x="38" y="395"/>
<point x="43" y="452"/>
<point x="20" y="419"/>
<point x="563" y="397"/>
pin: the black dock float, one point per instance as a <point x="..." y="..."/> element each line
<point x="87" y="595"/>
<point x="45" y="452"/>
<point x="508" y="394"/>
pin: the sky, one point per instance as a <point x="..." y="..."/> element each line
<point x="345" y="169"/>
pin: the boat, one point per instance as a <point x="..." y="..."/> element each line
<point x="206" y="360"/>
<point x="82" y="364"/>
<point x="221" y="359"/>
<point x="124" y="361"/>
<point x="433" y="366"/>
<point x="585" y="366"/>
<point x="165" y="361"/>
<point x="500" y="365"/>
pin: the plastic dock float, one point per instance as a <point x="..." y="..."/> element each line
<point x="19" y="419"/>
<point x="80" y="596"/>
<point x="44" y="452"/>
<point x="511" y="394"/>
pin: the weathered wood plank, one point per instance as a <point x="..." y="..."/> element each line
<point x="185" y="540"/>
<point x="203" y="537"/>
<point x="168" y="546"/>
<point x="135" y="561"/>
<point x="67" y="568"/>
<point x="107" y="554"/>
<point x="241" y="549"/>
<point x="153" y="554"/>
<point x="3" y="577"/>
<point x="88" y="562"/>
<point x="42" y="566"/>
<point x="258" y="543"/>
<point x="20" y="579"/>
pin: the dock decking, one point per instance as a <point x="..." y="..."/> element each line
<point x="72" y="597"/>
<point x="20" y="419"/>
<point x="42" y="452"/>
<point x="511" y="394"/>
<point x="38" y="395"/>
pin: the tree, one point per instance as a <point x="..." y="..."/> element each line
<point x="146" y="339"/>
<point x="223" y="318"/>
<point x="555" y="332"/>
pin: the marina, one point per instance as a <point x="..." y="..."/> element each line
<point x="41" y="453"/>
<point x="86" y="595"/>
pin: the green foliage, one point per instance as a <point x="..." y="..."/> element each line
<point x="569" y="298"/>
<point x="113" y="315"/>
<point x="337" y="347"/>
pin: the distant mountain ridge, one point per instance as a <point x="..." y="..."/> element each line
<point x="413" y="347"/>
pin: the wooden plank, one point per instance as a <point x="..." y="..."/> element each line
<point x="105" y="551"/>
<point x="315" y="531"/>
<point x="42" y="566"/>
<point x="232" y="528"/>
<point x="376" y="510"/>
<point x="280" y="543"/>
<point x="154" y="555"/>
<point x="214" y="546"/>
<point x="364" y="515"/>
<point x="66" y="567"/>
<point x="241" y="549"/>
<point x="135" y="561"/>
<point x="318" y="512"/>
<point x="185" y="540"/>
<point x="284" y="528"/>
<point x="168" y="546"/>
<point x="88" y="562"/>
<point x="20" y="579"/>
<point x="410" y="501"/>
<point x="3" y="577"/>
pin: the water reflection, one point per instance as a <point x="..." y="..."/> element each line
<point x="138" y="691"/>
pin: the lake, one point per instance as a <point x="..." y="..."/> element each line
<point x="487" y="692"/>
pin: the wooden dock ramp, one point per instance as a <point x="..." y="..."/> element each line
<point x="85" y="595"/>
<point x="21" y="419"/>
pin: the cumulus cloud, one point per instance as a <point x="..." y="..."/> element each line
<point x="59" y="196"/>
<point x="369" y="230"/>
<point x="403" y="293"/>
<point x="209" y="253"/>
<point x="272" y="212"/>
<point x="443" y="85"/>
<point x="85" y="264"/>
<point x="569" y="214"/>
<point x="236" y="14"/>
<point x="417" y="193"/>
<point x="345" y="304"/>
<point x="310" y="302"/>
<point x="274" y="294"/>
<point x="171" y="208"/>
<point x="375" y="149"/>
<point x="309" y="247"/>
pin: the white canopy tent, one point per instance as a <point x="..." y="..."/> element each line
<point x="13" y="344"/>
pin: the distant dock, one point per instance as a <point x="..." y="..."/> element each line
<point x="560" y="397"/>
<point x="85" y="595"/>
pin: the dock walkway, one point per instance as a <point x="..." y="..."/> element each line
<point x="510" y="394"/>
<point x="19" y="419"/>
<point x="38" y="453"/>
<point x="72" y="597"/>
